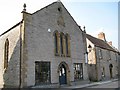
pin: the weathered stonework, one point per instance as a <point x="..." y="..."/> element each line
<point x="10" y="76"/>
<point x="31" y="41"/>
<point x="101" y="64"/>
<point x="40" y="42"/>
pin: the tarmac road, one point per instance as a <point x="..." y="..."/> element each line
<point x="106" y="85"/>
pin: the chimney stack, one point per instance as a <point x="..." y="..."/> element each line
<point x="110" y="43"/>
<point x="101" y="36"/>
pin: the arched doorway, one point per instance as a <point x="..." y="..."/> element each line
<point x="110" y="68"/>
<point x="64" y="73"/>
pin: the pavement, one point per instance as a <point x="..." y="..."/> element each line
<point x="91" y="84"/>
<point x="82" y="85"/>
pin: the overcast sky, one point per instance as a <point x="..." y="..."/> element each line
<point x="96" y="15"/>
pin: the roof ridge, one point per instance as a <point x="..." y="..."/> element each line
<point x="100" y="43"/>
<point x="44" y="7"/>
<point x="11" y="28"/>
<point x="95" y="37"/>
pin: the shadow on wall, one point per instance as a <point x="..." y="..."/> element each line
<point x="11" y="74"/>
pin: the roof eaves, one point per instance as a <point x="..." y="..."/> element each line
<point x="109" y="48"/>
<point x="11" y="28"/>
<point x="105" y="48"/>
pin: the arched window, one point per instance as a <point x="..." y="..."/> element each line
<point x="6" y="53"/>
<point x="56" y="45"/>
<point x="67" y="39"/>
<point x="61" y="43"/>
<point x="56" y="42"/>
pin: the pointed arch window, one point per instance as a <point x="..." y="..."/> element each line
<point x="66" y="44"/>
<point x="67" y="38"/>
<point x="61" y="43"/>
<point x="56" y="42"/>
<point x="6" y="53"/>
<point x="56" y="45"/>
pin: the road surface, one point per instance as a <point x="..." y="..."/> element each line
<point x="106" y="85"/>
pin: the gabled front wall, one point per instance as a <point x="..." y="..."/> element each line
<point x="10" y="77"/>
<point x="92" y="70"/>
<point x="91" y="54"/>
<point x="40" y="42"/>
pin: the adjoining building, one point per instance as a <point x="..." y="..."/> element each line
<point x="102" y="58"/>
<point x="46" y="47"/>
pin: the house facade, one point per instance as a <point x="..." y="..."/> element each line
<point x="46" y="48"/>
<point x="102" y="58"/>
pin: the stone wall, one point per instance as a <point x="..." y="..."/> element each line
<point x="97" y="64"/>
<point x="105" y="62"/>
<point x="10" y="76"/>
<point x="39" y="42"/>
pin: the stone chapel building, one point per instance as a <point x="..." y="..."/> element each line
<point x="46" y="47"/>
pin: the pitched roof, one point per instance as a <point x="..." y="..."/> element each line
<point x="100" y="43"/>
<point x="115" y="49"/>
<point x="11" y="28"/>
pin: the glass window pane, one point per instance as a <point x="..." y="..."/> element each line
<point x="42" y="72"/>
<point x="78" y="71"/>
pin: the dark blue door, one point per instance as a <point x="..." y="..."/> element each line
<point x="62" y="75"/>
